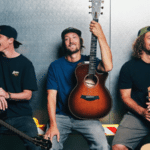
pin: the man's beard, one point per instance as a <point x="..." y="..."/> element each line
<point x="69" y="52"/>
<point x="146" y="51"/>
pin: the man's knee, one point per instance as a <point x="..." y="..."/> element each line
<point x="119" y="147"/>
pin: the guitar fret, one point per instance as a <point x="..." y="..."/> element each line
<point x="93" y="63"/>
<point x="93" y="51"/>
<point x="94" y="40"/>
<point x="92" y="58"/>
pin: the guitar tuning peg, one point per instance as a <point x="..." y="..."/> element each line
<point x="101" y="13"/>
<point x="90" y="6"/>
<point x="102" y="7"/>
<point x="90" y="12"/>
<point x="90" y="1"/>
<point x="102" y="1"/>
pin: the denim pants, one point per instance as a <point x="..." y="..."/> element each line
<point x="92" y="130"/>
<point x="26" y="125"/>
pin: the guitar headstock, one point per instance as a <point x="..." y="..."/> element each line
<point x="40" y="141"/>
<point x="96" y="8"/>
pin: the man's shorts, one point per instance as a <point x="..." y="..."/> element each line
<point x="131" y="131"/>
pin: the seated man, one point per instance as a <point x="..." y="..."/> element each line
<point x="17" y="81"/>
<point x="61" y="81"/>
<point x="133" y="84"/>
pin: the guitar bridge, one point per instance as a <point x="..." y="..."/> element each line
<point x="89" y="98"/>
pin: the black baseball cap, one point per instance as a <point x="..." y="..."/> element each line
<point x="70" y="29"/>
<point x="10" y="32"/>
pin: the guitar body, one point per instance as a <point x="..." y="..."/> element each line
<point x="89" y="99"/>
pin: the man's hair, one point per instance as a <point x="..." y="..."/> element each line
<point x="16" y="45"/>
<point x="139" y="46"/>
<point x="64" y="46"/>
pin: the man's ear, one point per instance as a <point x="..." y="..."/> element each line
<point x="11" y="40"/>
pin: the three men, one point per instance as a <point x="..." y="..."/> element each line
<point x="61" y="80"/>
<point x="17" y="81"/>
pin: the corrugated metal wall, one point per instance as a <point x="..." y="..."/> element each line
<point x="40" y="23"/>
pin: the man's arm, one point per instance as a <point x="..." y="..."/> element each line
<point x="106" y="65"/>
<point x="131" y="104"/>
<point x="25" y="95"/>
<point x="51" y="106"/>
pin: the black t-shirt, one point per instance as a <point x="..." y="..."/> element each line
<point x="135" y="75"/>
<point x="17" y="74"/>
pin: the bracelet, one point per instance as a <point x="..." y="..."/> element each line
<point x="9" y="95"/>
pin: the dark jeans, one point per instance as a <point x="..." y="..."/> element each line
<point x="26" y="125"/>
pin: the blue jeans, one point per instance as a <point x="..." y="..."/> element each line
<point x="27" y="126"/>
<point x="92" y="130"/>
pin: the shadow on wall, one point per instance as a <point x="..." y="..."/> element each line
<point x="39" y="100"/>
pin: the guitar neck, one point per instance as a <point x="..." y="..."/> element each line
<point x="16" y="130"/>
<point x="45" y="144"/>
<point x="93" y="51"/>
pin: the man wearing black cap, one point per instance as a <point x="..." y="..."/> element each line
<point x="17" y="81"/>
<point x="134" y="81"/>
<point x="61" y="80"/>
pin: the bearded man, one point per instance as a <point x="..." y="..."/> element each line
<point x="61" y="81"/>
<point x="134" y="81"/>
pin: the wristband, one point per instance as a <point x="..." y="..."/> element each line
<point x="9" y="95"/>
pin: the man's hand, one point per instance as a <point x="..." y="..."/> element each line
<point x="148" y="106"/>
<point x="3" y="93"/>
<point x="3" y="103"/>
<point x="52" y="131"/>
<point x="146" y="112"/>
<point x="96" y="29"/>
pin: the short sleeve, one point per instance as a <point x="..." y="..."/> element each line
<point x="29" y="78"/>
<point x="51" y="79"/>
<point x="125" y="81"/>
<point x="97" y="62"/>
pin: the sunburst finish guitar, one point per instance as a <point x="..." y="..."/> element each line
<point x="90" y="99"/>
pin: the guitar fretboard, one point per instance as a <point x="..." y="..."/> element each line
<point x="15" y="130"/>
<point x="92" y="65"/>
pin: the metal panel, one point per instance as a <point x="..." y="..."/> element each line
<point x="39" y="24"/>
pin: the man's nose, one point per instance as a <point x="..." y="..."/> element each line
<point x="70" y="40"/>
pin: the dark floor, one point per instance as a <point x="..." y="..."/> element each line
<point x="74" y="142"/>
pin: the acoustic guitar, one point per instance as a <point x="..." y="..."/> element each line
<point x="39" y="141"/>
<point x="90" y="99"/>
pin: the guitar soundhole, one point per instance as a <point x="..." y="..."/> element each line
<point x="90" y="81"/>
